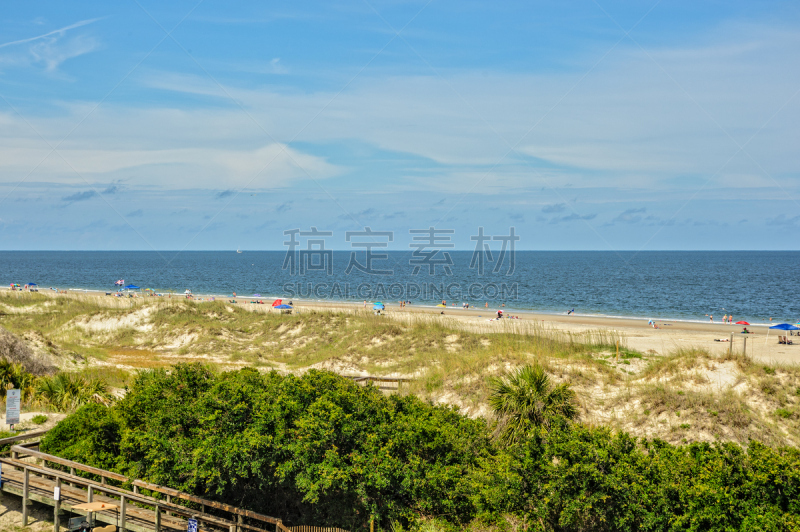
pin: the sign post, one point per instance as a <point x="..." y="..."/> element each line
<point x="12" y="407"/>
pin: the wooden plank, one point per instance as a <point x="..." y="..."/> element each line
<point x="213" y="504"/>
<point x="27" y="475"/>
<point x="23" y="437"/>
<point x="142" y="484"/>
<point x="139" y="520"/>
<point x="69" y="463"/>
<point x="181" y="510"/>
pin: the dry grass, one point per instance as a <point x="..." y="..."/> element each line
<point x="688" y="395"/>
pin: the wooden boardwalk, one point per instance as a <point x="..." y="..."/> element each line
<point x="27" y="473"/>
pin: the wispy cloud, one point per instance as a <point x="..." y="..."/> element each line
<point x="557" y="207"/>
<point x="630" y="216"/>
<point x="50" y="49"/>
<point x="783" y="220"/>
<point x="79" y="196"/>
<point x="59" y="32"/>
<point x="573" y="217"/>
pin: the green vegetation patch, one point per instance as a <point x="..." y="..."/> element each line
<point x="322" y="450"/>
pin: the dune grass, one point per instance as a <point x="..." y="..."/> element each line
<point x="676" y="396"/>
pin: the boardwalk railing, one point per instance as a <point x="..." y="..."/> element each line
<point x="137" y="511"/>
<point x="384" y="383"/>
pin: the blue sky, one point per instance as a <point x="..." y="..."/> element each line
<point x="584" y="125"/>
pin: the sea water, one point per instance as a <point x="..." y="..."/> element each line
<point x="688" y="285"/>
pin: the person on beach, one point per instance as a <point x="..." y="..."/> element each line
<point x="499" y="314"/>
<point x="487" y="304"/>
<point x="572" y="311"/>
<point x="725" y="318"/>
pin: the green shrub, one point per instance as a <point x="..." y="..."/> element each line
<point x="322" y="450"/>
<point x="39" y="419"/>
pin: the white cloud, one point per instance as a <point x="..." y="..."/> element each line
<point x="269" y="166"/>
<point x="627" y="125"/>
<point x="49" y="49"/>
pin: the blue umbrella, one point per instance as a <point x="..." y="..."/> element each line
<point x="378" y="306"/>
<point x="283" y="307"/>
<point x="256" y="295"/>
<point x="32" y="284"/>
<point x="785" y="327"/>
<point x="131" y="287"/>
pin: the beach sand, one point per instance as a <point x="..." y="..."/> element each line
<point x="762" y="345"/>
<point x="638" y="334"/>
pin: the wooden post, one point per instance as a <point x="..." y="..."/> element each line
<point x="730" y="347"/>
<point x="90" y="495"/>
<point x="25" y="484"/>
<point x="744" y="352"/>
<point x="122" y="507"/>
<point x="158" y="519"/>
<point x="102" y="480"/>
<point x="616" y="360"/>
<point x="135" y="489"/>
<point x="57" y="507"/>
<point x="239" y="520"/>
<point x="372" y="521"/>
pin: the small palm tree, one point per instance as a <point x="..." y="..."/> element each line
<point x="526" y="398"/>
<point x="66" y="391"/>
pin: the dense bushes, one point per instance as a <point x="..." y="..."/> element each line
<point x="581" y="478"/>
<point x="317" y="449"/>
<point x="322" y="450"/>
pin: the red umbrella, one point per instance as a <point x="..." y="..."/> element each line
<point x="742" y="323"/>
<point x="279" y="301"/>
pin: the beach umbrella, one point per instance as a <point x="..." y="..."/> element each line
<point x="782" y="327"/>
<point x="132" y="287"/>
<point x="785" y="327"/>
<point x="277" y="302"/>
<point x="256" y="295"/>
<point x="187" y="292"/>
<point x="742" y="323"/>
<point x="378" y="306"/>
<point x="283" y="307"/>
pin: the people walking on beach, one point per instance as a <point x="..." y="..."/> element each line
<point x="572" y="311"/>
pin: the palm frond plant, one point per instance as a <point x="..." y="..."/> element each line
<point x="525" y="399"/>
<point x="67" y="391"/>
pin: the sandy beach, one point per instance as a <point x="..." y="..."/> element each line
<point x="639" y="335"/>
<point x="762" y="344"/>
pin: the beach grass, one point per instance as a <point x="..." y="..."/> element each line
<point x="686" y="394"/>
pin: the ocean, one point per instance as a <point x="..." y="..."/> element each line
<point x="679" y="285"/>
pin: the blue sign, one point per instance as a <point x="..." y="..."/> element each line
<point x="191" y="525"/>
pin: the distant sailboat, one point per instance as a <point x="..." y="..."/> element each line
<point x="238" y="251"/>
